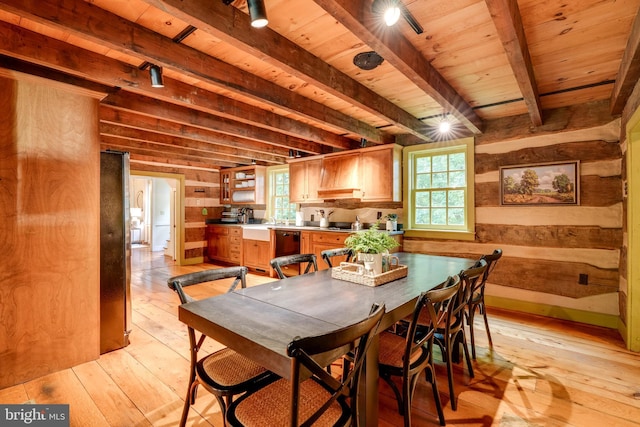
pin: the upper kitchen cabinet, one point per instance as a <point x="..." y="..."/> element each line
<point x="381" y="173"/>
<point x="304" y="178"/>
<point x="340" y="176"/>
<point x="372" y="174"/>
<point x="243" y="185"/>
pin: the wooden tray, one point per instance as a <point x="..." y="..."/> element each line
<point x="354" y="273"/>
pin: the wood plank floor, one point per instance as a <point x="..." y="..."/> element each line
<point x="541" y="372"/>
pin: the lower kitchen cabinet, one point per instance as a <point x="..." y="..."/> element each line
<point x="317" y="241"/>
<point x="256" y="254"/>
<point x="224" y="243"/>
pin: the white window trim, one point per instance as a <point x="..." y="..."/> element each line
<point x="408" y="172"/>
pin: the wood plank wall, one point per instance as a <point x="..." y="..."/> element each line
<point x="50" y="228"/>
<point x="546" y="248"/>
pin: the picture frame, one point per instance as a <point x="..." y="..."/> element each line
<point x="542" y="184"/>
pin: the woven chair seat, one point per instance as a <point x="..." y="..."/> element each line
<point x="228" y="368"/>
<point x="270" y="406"/>
<point x="392" y="349"/>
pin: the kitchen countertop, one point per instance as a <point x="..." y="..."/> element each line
<point x="294" y="227"/>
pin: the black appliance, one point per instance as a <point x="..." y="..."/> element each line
<point x="115" y="251"/>
<point x="288" y="243"/>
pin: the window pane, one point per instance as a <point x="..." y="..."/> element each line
<point x="439" y="199"/>
<point x="457" y="179"/>
<point x="439" y="216"/>
<point x="457" y="162"/>
<point x="440" y="163"/>
<point x="456" y="216"/>
<point x="423" y="181"/>
<point x="422" y="216"/>
<point x="456" y="198"/>
<point x="423" y="165"/>
<point x="440" y="180"/>
<point x="423" y="200"/>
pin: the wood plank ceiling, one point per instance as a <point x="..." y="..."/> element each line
<point x="233" y="93"/>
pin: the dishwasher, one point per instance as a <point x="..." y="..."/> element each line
<point x="288" y="243"/>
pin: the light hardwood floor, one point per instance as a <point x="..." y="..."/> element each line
<point x="541" y="372"/>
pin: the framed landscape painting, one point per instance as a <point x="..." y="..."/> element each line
<point x="540" y="184"/>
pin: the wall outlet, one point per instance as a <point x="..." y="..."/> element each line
<point x="583" y="279"/>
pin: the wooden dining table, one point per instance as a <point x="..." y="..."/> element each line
<point x="260" y="321"/>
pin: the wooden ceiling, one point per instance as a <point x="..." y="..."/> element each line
<point x="234" y="93"/>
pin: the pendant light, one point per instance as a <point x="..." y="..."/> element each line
<point x="257" y="13"/>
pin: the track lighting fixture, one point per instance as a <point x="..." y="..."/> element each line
<point x="253" y="161"/>
<point x="290" y="153"/>
<point x="391" y="10"/>
<point x="298" y="154"/>
<point x="155" y="72"/>
<point x="257" y="13"/>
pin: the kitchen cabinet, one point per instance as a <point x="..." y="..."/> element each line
<point x="372" y="174"/>
<point x="304" y="178"/>
<point x="256" y="254"/>
<point x="340" y="176"/>
<point x="243" y="185"/>
<point x="317" y="241"/>
<point x="381" y="173"/>
<point x="224" y="243"/>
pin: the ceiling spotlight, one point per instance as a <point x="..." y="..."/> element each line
<point x="298" y="154"/>
<point x="253" y="161"/>
<point x="290" y="153"/>
<point x="258" y="13"/>
<point x="156" y="76"/>
<point x="444" y="126"/>
<point x="389" y="9"/>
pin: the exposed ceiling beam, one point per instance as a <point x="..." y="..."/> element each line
<point x="629" y="71"/>
<point x="240" y="147"/>
<point x="155" y="108"/>
<point x="508" y="21"/>
<point x="156" y="151"/>
<point x="234" y="28"/>
<point x="79" y="18"/>
<point x="40" y="49"/>
<point x="395" y="48"/>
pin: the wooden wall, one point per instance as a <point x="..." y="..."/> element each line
<point x="547" y="247"/>
<point x="49" y="204"/>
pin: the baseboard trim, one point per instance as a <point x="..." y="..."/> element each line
<point x="597" y="319"/>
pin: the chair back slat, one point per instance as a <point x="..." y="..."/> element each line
<point x="327" y="254"/>
<point x="281" y="261"/>
<point x="302" y="350"/>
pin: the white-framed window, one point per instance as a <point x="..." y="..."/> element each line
<point x="278" y="205"/>
<point x="439" y="192"/>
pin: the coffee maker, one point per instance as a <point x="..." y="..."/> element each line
<point x="245" y="215"/>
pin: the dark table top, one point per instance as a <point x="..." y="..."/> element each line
<point x="261" y="320"/>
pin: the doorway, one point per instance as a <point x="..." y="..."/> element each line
<point x="156" y="204"/>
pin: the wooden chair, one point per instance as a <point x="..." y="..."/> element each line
<point x="476" y="301"/>
<point x="407" y="356"/>
<point x="313" y="396"/>
<point x="339" y="252"/>
<point x="450" y="335"/>
<point x="223" y="373"/>
<point x="279" y="262"/>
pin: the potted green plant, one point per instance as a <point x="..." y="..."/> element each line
<point x="369" y="245"/>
